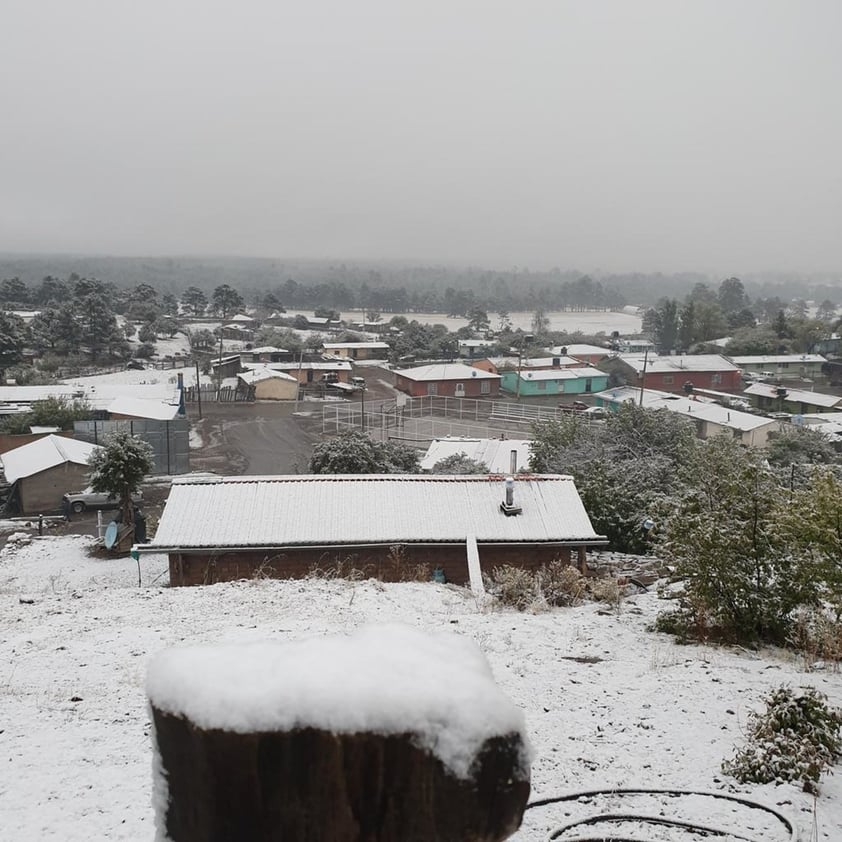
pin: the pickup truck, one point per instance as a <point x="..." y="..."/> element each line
<point x="88" y="499"/>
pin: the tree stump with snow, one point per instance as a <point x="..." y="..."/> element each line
<point x="389" y="735"/>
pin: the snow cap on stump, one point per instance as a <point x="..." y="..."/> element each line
<point x="388" y="735"/>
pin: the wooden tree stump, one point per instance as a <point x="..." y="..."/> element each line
<point x="325" y="784"/>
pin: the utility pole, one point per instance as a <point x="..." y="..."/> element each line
<point x="198" y="389"/>
<point x="643" y="376"/>
<point x="523" y="339"/>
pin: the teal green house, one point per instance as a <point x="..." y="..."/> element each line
<point x="556" y="381"/>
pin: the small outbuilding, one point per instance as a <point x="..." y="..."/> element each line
<point x="43" y="471"/>
<point x="269" y="385"/>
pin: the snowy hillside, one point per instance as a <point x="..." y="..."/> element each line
<point x="607" y="703"/>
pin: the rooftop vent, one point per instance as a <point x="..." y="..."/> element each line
<point x="508" y="506"/>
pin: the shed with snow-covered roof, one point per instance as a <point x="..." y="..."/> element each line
<point x="43" y="471"/>
<point x="389" y="526"/>
<point x="268" y="384"/>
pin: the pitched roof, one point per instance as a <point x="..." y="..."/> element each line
<point x="770" y="390"/>
<point x="445" y="371"/>
<point x="373" y="346"/>
<point x="496" y="454"/>
<point x="255" y="375"/>
<point x="702" y="409"/>
<point x="47" y="452"/>
<point x="777" y="359"/>
<point x="678" y="363"/>
<point x="142" y="408"/>
<point x="279" y="511"/>
<point x="582" y="349"/>
<point x="562" y="374"/>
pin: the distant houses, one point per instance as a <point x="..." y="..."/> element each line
<point x="770" y="397"/>
<point x="560" y="381"/>
<point x="781" y="366"/>
<point x="708" y="417"/>
<point x="357" y="350"/>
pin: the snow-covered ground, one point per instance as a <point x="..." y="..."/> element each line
<point x="607" y="703"/>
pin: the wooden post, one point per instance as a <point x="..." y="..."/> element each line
<point x="299" y="782"/>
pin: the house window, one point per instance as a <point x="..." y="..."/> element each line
<point x="588" y="385"/>
<point x="432" y="388"/>
<point x="542" y="385"/>
<point x="715" y="379"/>
<point x="667" y="379"/>
<point x="485" y="387"/>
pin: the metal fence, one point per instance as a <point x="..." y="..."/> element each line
<point x="420" y="420"/>
<point x="170" y="440"/>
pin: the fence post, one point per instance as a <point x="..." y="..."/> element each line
<point x="298" y="741"/>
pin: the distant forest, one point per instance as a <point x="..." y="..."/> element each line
<point x="394" y="287"/>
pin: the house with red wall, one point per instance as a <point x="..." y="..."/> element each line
<point x="225" y="528"/>
<point x="449" y="379"/>
<point x="671" y="373"/>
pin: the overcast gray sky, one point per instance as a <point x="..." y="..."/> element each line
<point x="645" y="135"/>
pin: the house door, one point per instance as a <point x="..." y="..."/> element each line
<point x="460" y="390"/>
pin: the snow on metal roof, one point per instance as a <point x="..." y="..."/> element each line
<point x="268" y="349"/>
<point x="342" y="365"/>
<point x="562" y="374"/>
<point x="777" y="359"/>
<point x="241" y="317"/>
<point x="374" y="346"/>
<point x="98" y="394"/>
<point x="278" y="511"/>
<point x="678" y="363"/>
<point x="770" y="390"/>
<point x="143" y="408"/>
<point x="445" y="371"/>
<point x="496" y="454"/>
<point x="705" y="410"/>
<point x="581" y="349"/>
<point x="30" y="459"/>
<point x="255" y="375"/>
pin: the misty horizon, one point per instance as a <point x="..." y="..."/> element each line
<point x="606" y="138"/>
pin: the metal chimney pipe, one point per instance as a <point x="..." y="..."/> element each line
<point x="510" y="491"/>
<point x="513" y="462"/>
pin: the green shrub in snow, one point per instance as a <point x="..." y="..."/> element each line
<point x="796" y="739"/>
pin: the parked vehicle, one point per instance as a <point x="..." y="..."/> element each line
<point x="79" y="501"/>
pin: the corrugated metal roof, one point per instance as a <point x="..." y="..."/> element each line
<point x="562" y="374"/>
<point x="279" y="511"/>
<point x="777" y="359"/>
<point x="768" y="390"/>
<point x="255" y="375"/>
<point x="142" y="408"/>
<point x="445" y="371"/>
<point x="30" y="459"/>
<point x="678" y="363"/>
<point x="496" y="454"/>
<point x="706" y="410"/>
<point x="356" y="345"/>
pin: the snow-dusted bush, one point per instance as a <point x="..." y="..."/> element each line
<point x="796" y="739"/>
<point x="515" y="587"/>
<point x="609" y="590"/>
<point x="561" y="583"/>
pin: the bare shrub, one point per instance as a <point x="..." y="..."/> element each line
<point x="608" y="590"/>
<point x="817" y="636"/>
<point x="561" y="583"/>
<point x="515" y="587"/>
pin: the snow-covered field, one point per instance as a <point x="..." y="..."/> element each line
<point x="608" y="704"/>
